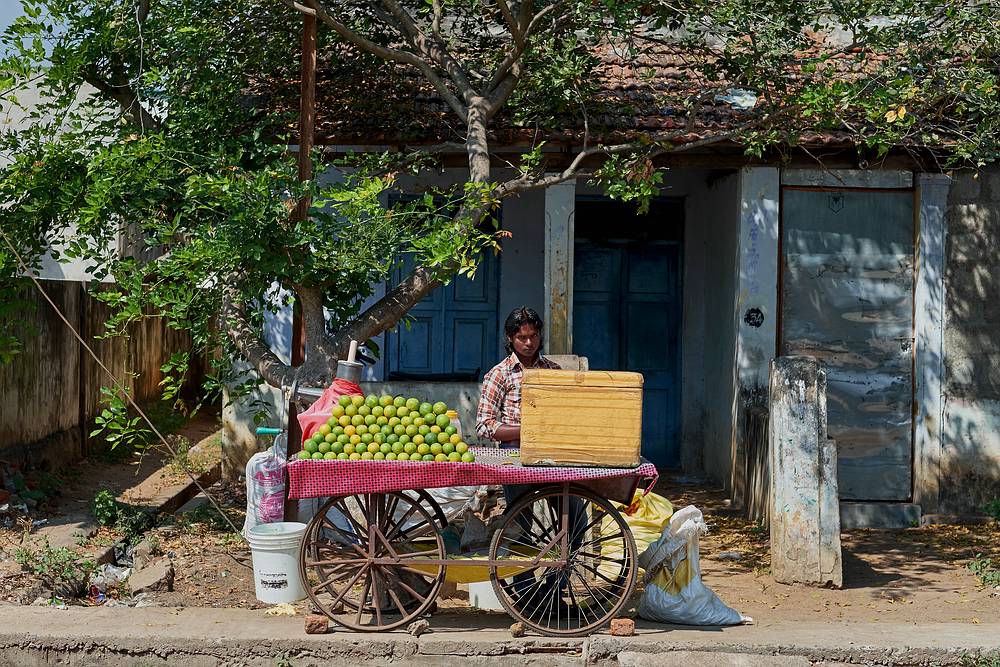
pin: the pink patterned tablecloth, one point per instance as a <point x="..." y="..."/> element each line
<point x="317" y="479"/>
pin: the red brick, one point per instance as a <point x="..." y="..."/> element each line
<point x="622" y="627"/>
<point x="317" y="624"/>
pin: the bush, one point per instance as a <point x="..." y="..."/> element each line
<point x="993" y="508"/>
<point x="55" y="566"/>
<point x="132" y="523"/>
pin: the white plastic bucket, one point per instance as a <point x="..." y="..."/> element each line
<point x="275" y="548"/>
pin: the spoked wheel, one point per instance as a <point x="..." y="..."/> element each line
<point x="358" y="560"/>
<point x="572" y="598"/>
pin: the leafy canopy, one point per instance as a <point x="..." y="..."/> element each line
<point x="157" y="150"/>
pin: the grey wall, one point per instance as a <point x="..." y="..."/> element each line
<point x="711" y="266"/>
<point x="970" y="442"/>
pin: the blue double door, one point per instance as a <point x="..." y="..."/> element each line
<point x="452" y="333"/>
<point x="627" y="308"/>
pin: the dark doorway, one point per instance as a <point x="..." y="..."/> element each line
<point x="627" y="307"/>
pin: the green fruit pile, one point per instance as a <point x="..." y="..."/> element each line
<point x="387" y="428"/>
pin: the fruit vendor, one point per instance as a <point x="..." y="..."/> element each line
<point x="499" y="416"/>
<point x="499" y="419"/>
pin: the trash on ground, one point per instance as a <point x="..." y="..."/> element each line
<point x="646" y="517"/>
<point x="107" y="576"/>
<point x="281" y="609"/>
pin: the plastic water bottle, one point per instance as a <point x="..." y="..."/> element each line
<point x="453" y="416"/>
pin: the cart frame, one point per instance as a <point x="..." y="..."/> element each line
<point x="400" y="583"/>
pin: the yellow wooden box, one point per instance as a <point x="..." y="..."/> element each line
<point x="581" y="418"/>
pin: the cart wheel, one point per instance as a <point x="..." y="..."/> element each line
<point x="429" y="502"/>
<point x="572" y="599"/>
<point x="338" y="555"/>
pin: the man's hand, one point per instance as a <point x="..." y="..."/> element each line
<point x="507" y="433"/>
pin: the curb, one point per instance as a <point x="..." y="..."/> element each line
<point x="596" y="651"/>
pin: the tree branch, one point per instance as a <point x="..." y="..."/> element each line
<point x="520" y="45"/>
<point x="384" y="52"/>
<point x="436" y="21"/>
<point x="500" y="93"/>
<point x="234" y="320"/>
<point x="432" y="49"/>
<point x="508" y="72"/>
<point x="508" y="18"/>
<point x="142" y="11"/>
<point x="128" y="100"/>
<point x="299" y="7"/>
<point x="387" y="311"/>
<point x="318" y="356"/>
<point x="527" y="182"/>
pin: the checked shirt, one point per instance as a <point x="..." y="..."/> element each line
<point x="501" y="399"/>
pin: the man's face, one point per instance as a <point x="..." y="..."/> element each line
<point x="526" y="341"/>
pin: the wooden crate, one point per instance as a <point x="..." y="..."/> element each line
<point x="581" y="418"/>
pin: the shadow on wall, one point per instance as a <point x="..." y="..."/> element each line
<point x="970" y="455"/>
<point x="970" y="443"/>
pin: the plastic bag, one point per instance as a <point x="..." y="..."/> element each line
<point x="674" y="590"/>
<point x="265" y="478"/>
<point x="650" y="515"/>
<point x="315" y="416"/>
<point x="454" y="500"/>
<point x="320" y="411"/>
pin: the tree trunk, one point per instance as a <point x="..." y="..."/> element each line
<point x="322" y="349"/>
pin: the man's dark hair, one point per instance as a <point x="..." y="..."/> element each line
<point x="517" y="319"/>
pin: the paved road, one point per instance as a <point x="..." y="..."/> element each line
<point x="197" y="637"/>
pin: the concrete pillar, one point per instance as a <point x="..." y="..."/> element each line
<point x="928" y="324"/>
<point x="756" y="313"/>
<point x="560" y="207"/>
<point x="804" y="505"/>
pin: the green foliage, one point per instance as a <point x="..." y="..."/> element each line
<point x="105" y="508"/>
<point x="131" y="522"/>
<point x="197" y="188"/>
<point x="986" y="570"/>
<point x="55" y="565"/>
<point x="116" y="425"/>
<point x="633" y="178"/>
<point x="993" y="509"/>
<point x="987" y="659"/>
<point x="157" y="153"/>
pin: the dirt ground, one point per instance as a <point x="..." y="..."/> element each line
<point x="917" y="575"/>
<point x="134" y="477"/>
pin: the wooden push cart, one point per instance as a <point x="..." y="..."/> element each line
<point x="562" y="559"/>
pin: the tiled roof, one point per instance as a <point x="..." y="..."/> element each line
<point x="651" y="93"/>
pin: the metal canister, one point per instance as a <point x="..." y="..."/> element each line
<point x="350" y="371"/>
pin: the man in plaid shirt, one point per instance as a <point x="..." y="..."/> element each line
<point x="499" y="419"/>
<point x="499" y="416"/>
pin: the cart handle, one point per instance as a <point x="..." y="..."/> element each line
<point x="266" y="430"/>
<point x="652" y="483"/>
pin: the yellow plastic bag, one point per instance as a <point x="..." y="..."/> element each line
<point x="673" y="581"/>
<point x="651" y="514"/>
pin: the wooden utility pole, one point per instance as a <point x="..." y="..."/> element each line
<point x="307" y="116"/>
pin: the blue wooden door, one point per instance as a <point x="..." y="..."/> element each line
<point x="627" y="316"/>
<point x="452" y="333"/>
